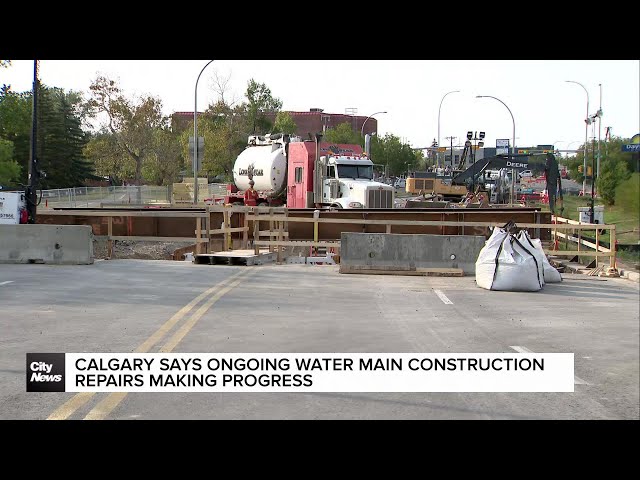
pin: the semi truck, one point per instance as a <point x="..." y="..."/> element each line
<point x="307" y="174"/>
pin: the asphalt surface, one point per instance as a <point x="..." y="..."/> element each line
<point x="115" y="306"/>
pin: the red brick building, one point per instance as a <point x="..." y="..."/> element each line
<point x="313" y="121"/>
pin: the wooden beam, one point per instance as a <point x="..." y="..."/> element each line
<point x="436" y="223"/>
<point x="288" y="243"/>
<point x="110" y="237"/>
<point x="138" y="238"/>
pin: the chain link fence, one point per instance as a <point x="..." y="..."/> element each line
<point x="95" y="197"/>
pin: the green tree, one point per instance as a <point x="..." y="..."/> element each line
<point x="260" y="101"/>
<point x="613" y="173"/>
<point x="61" y="140"/>
<point x="284" y="123"/>
<point x="132" y="123"/>
<point x="9" y="168"/>
<point x="397" y="156"/>
<point x="15" y="125"/>
<point x="107" y="158"/>
<point x="164" y="162"/>
<point x="342" y="133"/>
<point x="628" y="194"/>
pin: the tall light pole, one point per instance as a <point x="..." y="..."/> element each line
<point x="599" y="114"/>
<point x="365" y="121"/>
<point x="440" y="108"/>
<point x="195" y="139"/>
<point x="513" y="146"/>
<point x="586" y="139"/>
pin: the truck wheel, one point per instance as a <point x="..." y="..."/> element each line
<point x="237" y="203"/>
<point x="336" y="205"/>
<point x="263" y="204"/>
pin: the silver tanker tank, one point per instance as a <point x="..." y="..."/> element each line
<point x="267" y="164"/>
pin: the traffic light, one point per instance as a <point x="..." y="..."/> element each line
<point x="589" y="170"/>
<point x="580" y="169"/>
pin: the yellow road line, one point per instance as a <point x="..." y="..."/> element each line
<point x="106" y="406"/>
<point x="70" y="406"/>
<point x="65" y="410"/>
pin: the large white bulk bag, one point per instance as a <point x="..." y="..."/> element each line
<point x="524" y="238"/>
<point x="551" y="275"/>
<point x="504" y="263"/>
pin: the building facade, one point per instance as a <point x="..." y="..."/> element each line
<point x="307" y="123"/>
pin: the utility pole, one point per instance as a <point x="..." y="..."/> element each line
<point x="34" y="173"/>
<point x="451" y="139"/>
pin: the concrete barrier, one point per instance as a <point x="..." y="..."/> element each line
<point x="54" y="244"/>
<point x="411" y="251"/>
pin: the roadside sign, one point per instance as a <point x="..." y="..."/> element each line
<point x="200" y="151"/>
<point x="502" y="146"/>
<point x="631" y="147"/>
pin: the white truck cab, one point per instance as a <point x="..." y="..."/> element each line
<point x="348" y="183"/>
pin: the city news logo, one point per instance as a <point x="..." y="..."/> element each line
<point x="45" y="372"/>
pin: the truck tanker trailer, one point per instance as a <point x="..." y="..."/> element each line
<point x="307" y="174"/>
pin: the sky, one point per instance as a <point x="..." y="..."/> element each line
<point x="414" y="93"/>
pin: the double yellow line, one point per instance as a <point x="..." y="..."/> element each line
<point x="106" y="406"/>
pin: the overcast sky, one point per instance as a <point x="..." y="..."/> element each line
<point x="546" y="109"/>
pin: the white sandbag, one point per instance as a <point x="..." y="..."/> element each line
<point x="504" y="263"/>
<point x="551" y="274"/>
<point x="486" y="261"/>
<point x="524" y="238"/>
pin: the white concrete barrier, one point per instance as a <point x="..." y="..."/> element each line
<point x="51" y="244"/>
<point x="410" y="251"/>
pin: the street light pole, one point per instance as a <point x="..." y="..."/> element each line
<point x="195" y="139"/>
<point x="440" y="108"/>
<point x="513" y="146"/>
<point x="586" y="140"/>
<point x="365" y="121"/>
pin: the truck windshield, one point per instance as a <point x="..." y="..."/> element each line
<point x="355" y="171"/>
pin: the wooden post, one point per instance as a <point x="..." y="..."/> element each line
<point x="225" y="241"/>
<point x="579" y="238"/>
<point x="597" y="245"/>
<point x="198" y="234"/>
<point x="271" y="228"/>
<point x="109" y="234"/>
<point x="207" y="226"/>
<point x="256" y="235"/>
<point x="280" y="238"/>
<point x="613" y="247"/>
<point x="228" y="225"/>
<point x="245" y="234"/>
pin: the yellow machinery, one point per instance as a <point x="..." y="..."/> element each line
<point x="435" y="185"/>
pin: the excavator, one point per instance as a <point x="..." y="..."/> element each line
<point x="471" y="177"/>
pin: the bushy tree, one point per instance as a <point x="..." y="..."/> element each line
<point x="628" y="194"/>
<point x="613" y="173"/>
<point x="259" y="102"/>
<point x="131" y="122"/>
<point x="284" y="123"/>
<point x="9" y="168"/>
<point x="342" y="133"/>
<point x="397" y="156"/>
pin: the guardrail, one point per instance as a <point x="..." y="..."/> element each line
<point x="592" y="249"/>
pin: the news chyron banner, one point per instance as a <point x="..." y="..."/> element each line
<point x="300" y="372"/>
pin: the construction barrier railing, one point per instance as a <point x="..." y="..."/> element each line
<point x="278" y="236"/>
<point x="573" y="235"/>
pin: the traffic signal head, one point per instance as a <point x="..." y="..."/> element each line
<point x="580" y="169"/>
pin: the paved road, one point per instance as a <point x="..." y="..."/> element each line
<point x="116" y="306"/>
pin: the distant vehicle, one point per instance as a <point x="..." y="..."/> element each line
<point x="525" y="173"/>
<point x="400" y="183"/>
